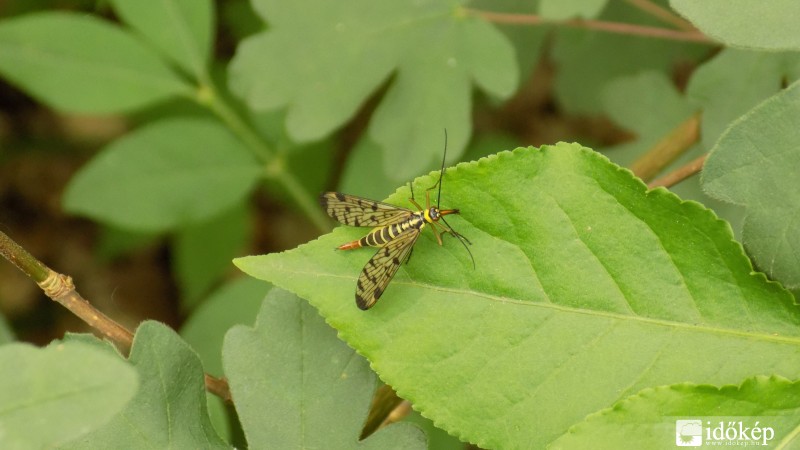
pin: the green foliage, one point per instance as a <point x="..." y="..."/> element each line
<point x="172" y="172"/>
<point x="590" y="293"/>
<point x="82" y="64"/>
<point x="306" y="389"/>
<point x="203" y="252"/>
<point x="54" y="394"/>
<point x="757" y="159"/>
<point x="569" y="9"/>
<point x="588" y="60"/>
<point x="169" y="410"/>
<point x="180" y="29"/>
<point x="764" y="25"/>
<point x="640" y="418"/>
<point x="591" y="296"/>
<point x="322" y="66"/>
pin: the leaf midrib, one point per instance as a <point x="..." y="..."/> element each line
<point x="596" y="313"/>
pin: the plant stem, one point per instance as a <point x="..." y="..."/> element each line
<point x="273" y="161"/>
<point x="60" y="288"/>
<point x="667" y="149"/>
<point x="680" y="174"/>
<point x="599" y="25"/>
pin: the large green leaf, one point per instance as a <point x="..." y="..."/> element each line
<point x="766" y="24"/>
<point x="323" y="66"/>
<point x="755" y="164"/>
<point x="82" y="64"/>
<point x="170" y="173"/>
<point x="649" y="418"/>
<point x="296" y="385"/>
<point x="588" y="288"/>
<point x="179" y="28"/>
<point x="51" y="395"/>
<point x="169" y="411"/>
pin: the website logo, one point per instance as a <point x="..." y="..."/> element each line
<point x="688" y="433"/>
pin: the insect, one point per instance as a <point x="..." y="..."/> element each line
<point x="395" y="230"/>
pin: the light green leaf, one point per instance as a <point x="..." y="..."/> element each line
<point x="52" y="395"/>
<point x="81" y="64"/>
<point x="724" y="91"/>
<point x="169" y="411"/>
<point x="202" y="252"/>
<point x="765" y="24"/>
<point x="587" y="289"/>
<point x="181" y="29"/>
<point x="755" y="164"/>
<point x="587" y="60"/>
<point x="648" y="419"/>
<point x="323" y="66"/>
<point x="295" y="385"/>
<point x="170" y="173"/>
<point x="570" y="9"/>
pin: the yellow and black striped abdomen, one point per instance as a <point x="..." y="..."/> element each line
<point x="381" y="236"/>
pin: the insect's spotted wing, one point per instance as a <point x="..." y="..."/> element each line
<point x="361" y="212"/>
<point x="380" y="270"/>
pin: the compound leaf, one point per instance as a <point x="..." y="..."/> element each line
<point x="323" y="66"/>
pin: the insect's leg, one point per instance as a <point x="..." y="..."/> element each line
<point x="438" y="233"/>
<point x="413" y="202"/>
<point x="450" y="231"/>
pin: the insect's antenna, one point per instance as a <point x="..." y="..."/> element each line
<point x="441" y="172"/>
<point x="464" y="241"/>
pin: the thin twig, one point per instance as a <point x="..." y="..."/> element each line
<point x="679" y="174"/>
<point x="663" y="14"/>
<point x="669" y="148"/>
<point x="60" y="288"/>
<point x="599" y="25"/>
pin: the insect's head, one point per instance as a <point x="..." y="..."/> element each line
<point x="434" y="214"/>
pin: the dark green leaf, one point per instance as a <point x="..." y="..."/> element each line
<point x="323" y="66"/>
<point x="52" y="395"/>
<point x="587" y="60"/>
<point x="295" y="385"/>
<point x="181" y="29"/>
<point x="169" y="411"/>
<point x="78" y="63"/>
<point x="168" y="174"/>
<point x="755" y="164"/>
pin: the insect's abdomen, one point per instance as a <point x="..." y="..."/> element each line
<point x="382" y="236"/>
